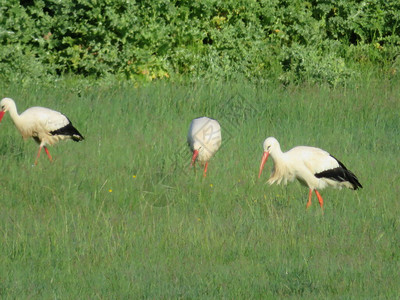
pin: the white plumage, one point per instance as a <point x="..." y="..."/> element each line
<point x="313" y="167"/>
<point x="204" y="139"/>
<point x="44" y="125"/>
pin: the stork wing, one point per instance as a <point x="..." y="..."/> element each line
<point x="47" y="119"/>
<point x="315" y="159"/>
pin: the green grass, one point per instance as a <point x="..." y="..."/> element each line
<point x="121" y="216"/>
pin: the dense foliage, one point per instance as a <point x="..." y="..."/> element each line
<point x="296" y="40"/>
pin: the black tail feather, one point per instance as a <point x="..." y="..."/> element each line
<point x="70" y="131"/>
<point x="340" y="174"/>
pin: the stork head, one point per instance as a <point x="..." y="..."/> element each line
<point x="270" y="145"/>
<point x="5" y="105"/>
<point x="196" y="148"/>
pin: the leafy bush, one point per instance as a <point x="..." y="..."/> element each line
<point x="145" y="40"/>
<point x="309" y="65"/>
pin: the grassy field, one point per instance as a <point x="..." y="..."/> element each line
<point x="121" y="216"/>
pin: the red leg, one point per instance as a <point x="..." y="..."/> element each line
<point x="321" y="201"/>
<point x="48" y="153"/>
<point x="309" y="198"/>
<point x="37" y="157"/>
<point x="205" y="170"/>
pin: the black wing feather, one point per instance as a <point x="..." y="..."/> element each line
<point x="69" y="130"/>
<point x="340" y="174"/>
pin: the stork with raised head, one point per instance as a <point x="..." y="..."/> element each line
<point x="313" y="167"/>
<point x="204" y="139"/>
<point x="44" y="125"/>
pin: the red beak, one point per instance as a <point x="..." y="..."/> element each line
<point x="2" y="114"/>
<point x="195" y="153"/>
<point x="263" y="161"/>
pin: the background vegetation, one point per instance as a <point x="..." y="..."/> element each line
<point x="295" y="41"/>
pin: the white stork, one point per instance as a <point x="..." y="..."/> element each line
<point x="44" y="125"/>
<point x="313" y="167"/>
<point x="204" y="139"/>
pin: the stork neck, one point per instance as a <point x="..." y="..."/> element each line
<point x="14" y="114"/>
<point x="277" y="155"/>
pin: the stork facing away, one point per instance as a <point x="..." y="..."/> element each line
<point x="204" y="139"/>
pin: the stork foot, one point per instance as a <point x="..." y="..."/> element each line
<point x="38" y="155"/>
<point x="48" y="153"/>
<point x="205" y="170"/>
<point x="321" y="201"/>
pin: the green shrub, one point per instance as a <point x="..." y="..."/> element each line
<point x="145" y="40"/>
